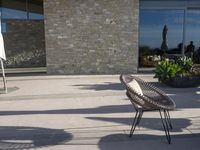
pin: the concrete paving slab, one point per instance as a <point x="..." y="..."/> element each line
<point x="90" y="112"/>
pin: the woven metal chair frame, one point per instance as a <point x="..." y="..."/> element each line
<point x="152" y="99"/>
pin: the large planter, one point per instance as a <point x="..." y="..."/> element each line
<point x="183" y="82"/>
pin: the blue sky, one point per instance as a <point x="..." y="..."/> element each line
<point x="153" y="21"/>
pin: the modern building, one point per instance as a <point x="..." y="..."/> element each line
<point x="96" y="36"/>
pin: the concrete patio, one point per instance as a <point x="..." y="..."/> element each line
<point x="92" y="113"/>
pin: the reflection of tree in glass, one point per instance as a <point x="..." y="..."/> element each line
<point x="164" y="46"/>
<point x="145" y="51"/>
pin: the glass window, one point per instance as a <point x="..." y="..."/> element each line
<point x="22" y="25"/>
<point x="3" y="27"/>
<point x="152" y="23"/>
<point x="13" y="14"/>
<point x="35" y="8"/>
<point x="22" y="9"/>
<point x="192" y="40"/>
<point x="12" y="9"/>
<point x="193" y="27"/>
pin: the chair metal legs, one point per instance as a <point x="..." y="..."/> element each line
<point x="166" y="123"/>
<point x="168" y="118"/>
<point x="136" y="121"/>
<point x="165" y="118"/>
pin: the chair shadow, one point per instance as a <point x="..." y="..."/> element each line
<point x="97" y="110"/>
<point x="101" y="87"/>
<point x="150" y="142"/>
<point x="20" y="138"/>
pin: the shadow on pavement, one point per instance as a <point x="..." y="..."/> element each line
<point x="98" y="110"/>
<point x="20" y="138"/>
<point x="100" y="87"/>
<point x="149" y="142"/>
<point x="150" y="123"/>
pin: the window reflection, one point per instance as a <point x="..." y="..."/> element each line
<point x="22" y="9"/>
<point x="193" y="34"/>
<point x="13" y="14"/>
<point x="152" y="24"/>
<point x="23" y="31"/>
<point x="35" y="8"/>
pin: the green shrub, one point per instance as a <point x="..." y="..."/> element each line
<point x="185" y="63"/>
<point x="166" y="70"/>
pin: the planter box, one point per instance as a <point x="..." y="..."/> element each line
<point x="184" y="82"/>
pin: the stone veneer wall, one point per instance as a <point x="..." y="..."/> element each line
<point x="91" y="36"/>
<point x="25" y="43"/>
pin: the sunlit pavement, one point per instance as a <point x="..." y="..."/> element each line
<point x="90" y="112"/>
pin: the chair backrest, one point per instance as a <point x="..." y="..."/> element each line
<point x="145" y="95"/>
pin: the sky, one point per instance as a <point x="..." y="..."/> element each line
<point x="153" y="21"/>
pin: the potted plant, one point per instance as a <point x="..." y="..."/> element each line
<point x="181" y="74"/>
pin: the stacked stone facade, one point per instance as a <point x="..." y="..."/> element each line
<point x="91" y="36"/>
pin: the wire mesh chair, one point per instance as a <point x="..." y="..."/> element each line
<point x="146" y="97"/>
